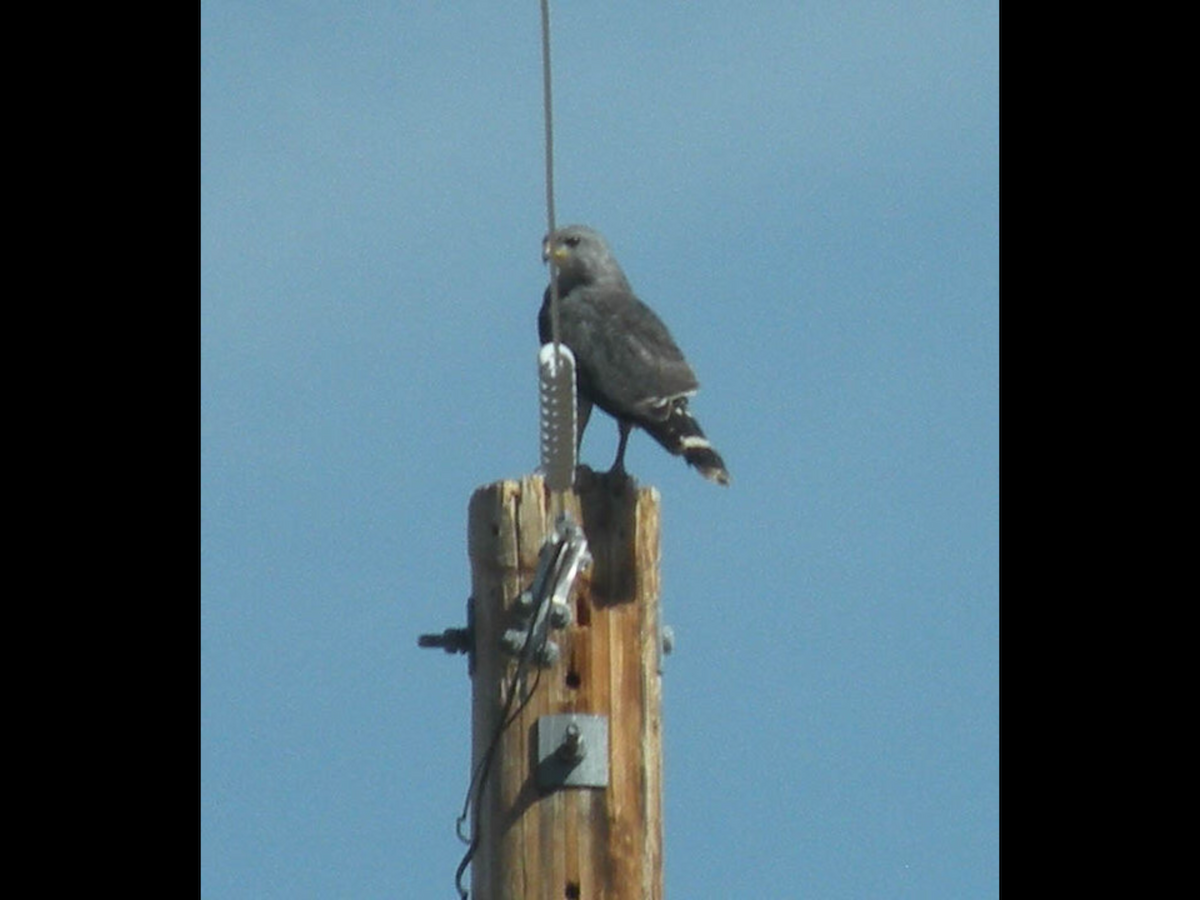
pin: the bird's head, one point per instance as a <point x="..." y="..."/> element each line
<point x="581" y="256"/>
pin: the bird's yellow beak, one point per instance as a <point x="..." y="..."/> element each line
<point x="559" y="252"/>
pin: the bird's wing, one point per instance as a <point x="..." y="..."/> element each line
<point x="631" y="364"/>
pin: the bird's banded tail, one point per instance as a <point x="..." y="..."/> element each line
<point x="681" y="435"/>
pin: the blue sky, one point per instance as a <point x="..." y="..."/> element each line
<point x="808" y="193"/>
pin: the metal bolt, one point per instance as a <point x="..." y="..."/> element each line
<point x="548" y="655"/>
<point x="668" y="640"/>
<point x="513" y="641"/>
<point x="560" y="615"/>
<point x="572" y="748"/>
<point x="452" y="640"/>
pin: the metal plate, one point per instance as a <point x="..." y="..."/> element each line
<point x="558" y="766"/>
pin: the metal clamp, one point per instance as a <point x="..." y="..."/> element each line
<point x="546" y="600"/>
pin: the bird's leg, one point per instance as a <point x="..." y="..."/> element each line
<point x="583" y="412"/>
<point x="618" y="466"/>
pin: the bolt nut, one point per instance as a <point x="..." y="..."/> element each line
<point x="572" y="748"/>
<point x="513" y="641"/>
<point x="549" y="654"/>
<point x="668" y="640"/>
<point x="560" y="615"/>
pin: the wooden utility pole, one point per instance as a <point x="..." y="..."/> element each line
<point x="593" y="842"/>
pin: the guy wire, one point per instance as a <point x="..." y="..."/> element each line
<point x="548" y="108"/>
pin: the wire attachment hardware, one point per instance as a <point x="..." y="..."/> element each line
<point x="545" y="603"/>
<point x="556" y="407"/>
<point x="456" y="640"/>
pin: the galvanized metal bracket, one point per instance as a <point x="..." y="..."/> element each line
<point x="572" y="751"/>
<point x="544" y="604"/>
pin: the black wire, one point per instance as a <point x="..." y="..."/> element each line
<point x="480" y="776"/>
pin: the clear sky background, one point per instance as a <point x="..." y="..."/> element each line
<point x="808" y="193"/>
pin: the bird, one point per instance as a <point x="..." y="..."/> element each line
<point x="626" y="361"/>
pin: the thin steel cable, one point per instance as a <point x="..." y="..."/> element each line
<point x="548" y="110"/>
<point x="557" y="499"/>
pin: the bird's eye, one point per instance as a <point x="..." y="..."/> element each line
<point x="572" y="241"/>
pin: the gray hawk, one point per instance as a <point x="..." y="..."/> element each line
<point x="626" y="361"/>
